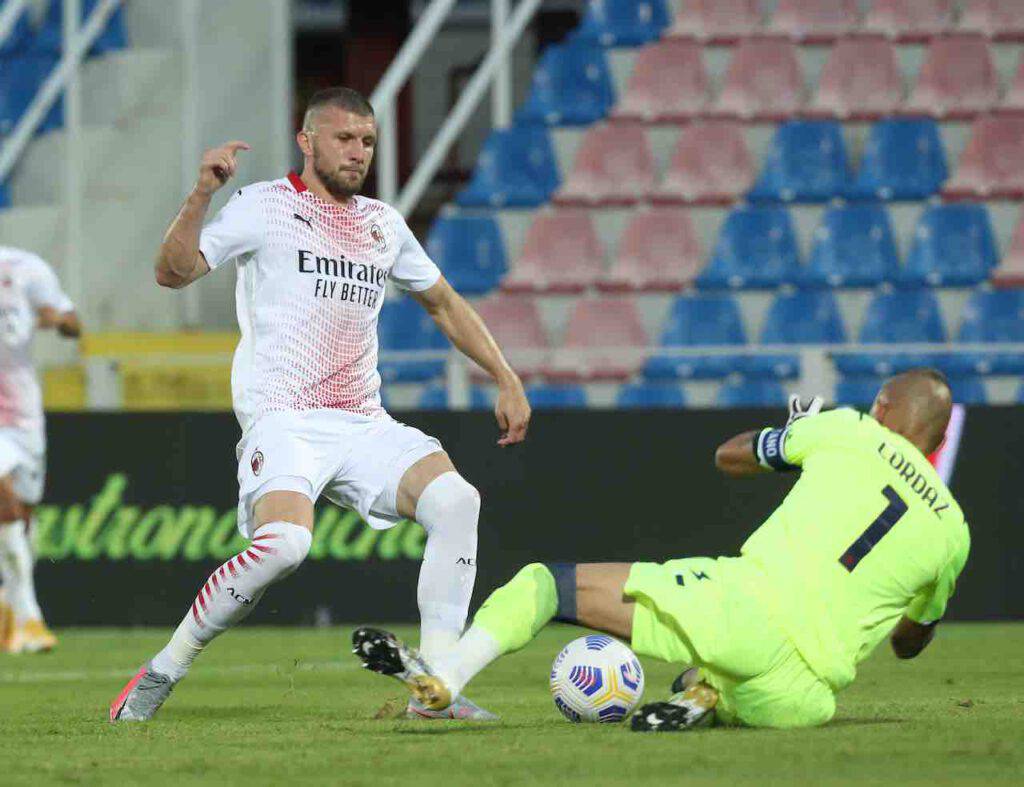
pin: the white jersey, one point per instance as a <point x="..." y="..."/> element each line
<point x="27" y="284"/>
<point x="311" y="279"/>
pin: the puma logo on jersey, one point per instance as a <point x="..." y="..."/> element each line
<point x="303" y="219"/>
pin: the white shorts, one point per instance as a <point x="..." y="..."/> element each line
<point x="23" y="457"/>
<point x="354" y="461"/>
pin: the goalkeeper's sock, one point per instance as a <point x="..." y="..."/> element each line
<point x="510" y="617"/>
<point x="232" y="591"/>
<point x="16" y="565"/>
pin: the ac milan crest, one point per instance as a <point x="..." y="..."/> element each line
<point x="378" y="237"/>
<point x="257" y="462"/>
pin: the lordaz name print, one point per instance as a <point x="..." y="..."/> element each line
<point x="364" y="284"/>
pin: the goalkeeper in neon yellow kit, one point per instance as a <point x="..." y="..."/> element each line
<point x="869" y="541"/>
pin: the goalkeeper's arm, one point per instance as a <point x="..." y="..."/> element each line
<point x="753" y="453"/>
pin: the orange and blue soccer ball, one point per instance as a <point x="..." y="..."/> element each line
<point x="596" y="678"/>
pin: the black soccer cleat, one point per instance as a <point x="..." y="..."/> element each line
<point x="695" y="707"/>
<point x="382" y="652"/>
<point x="379" y="650"/>
<point x="688" y="678"/>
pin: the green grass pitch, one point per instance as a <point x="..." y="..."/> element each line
<point x="291" y="706"/>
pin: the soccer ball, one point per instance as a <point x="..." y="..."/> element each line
<point x="596" y="678"/>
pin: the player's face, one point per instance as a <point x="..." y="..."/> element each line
<point x="342" y="147"/>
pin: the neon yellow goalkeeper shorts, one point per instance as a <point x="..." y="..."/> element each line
<point x="705" y="612"/>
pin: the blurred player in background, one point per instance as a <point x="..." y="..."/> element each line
<point x="30" y="299"/>
<point x="869" y="541"/>
<point x="313" y="259"/>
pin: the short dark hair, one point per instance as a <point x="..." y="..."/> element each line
<point x="341" y="97"/>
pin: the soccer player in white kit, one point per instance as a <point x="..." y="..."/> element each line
<point x="313" y="258"/>
<point x="31" y="298"/>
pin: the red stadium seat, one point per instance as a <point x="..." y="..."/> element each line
<point x="717" y="21"/>
<point x="659" y="250"/>
<point x="764" y="81"/>
<point x="910" y="20"/>
<point x="515" y="322"/>
<point x="814" y="21"/>
<point x="614" y="166"/>
<point x="861" y="79"/>
<point x="1013" y="100"/>
<point x="711" y="164"/>
<point x="992" y="164"/>
<point x="958" y="78"/>
<point x="561" y="253"/>
<point x="1001" y="20"/>
<point x="668" y="83"/>
<point x="603" y="341"/>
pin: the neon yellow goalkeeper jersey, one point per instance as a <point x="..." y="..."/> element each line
<point x="868" y="533"/>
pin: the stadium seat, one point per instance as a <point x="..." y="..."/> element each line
<point x="995" y="317"/>
<point x="20" y="36"/>
<point x="764" y="81"/>
<point x="860" y="79"/>
<point x="561" y="253"/>
<point x="556" y="397"/>
<point x="435" y="397"/>
<point x="50" y="36"/>
<point x="953" y="245"/>
<point x="405" y="326"/>
<point x="571" y="86"/>
<point x="710" y="165"/>
<point x="910" y="20"/>
<point x="614" y="166"/>
<point x="751" y="393"/>
<point x="853" y="247"/>
<point x="1000" y="20"/>
<point x="718" y="21"/>
<point x="623" y="22"/>
<point x="1013" y="98"/>
<point x="5" y="198"/>
<point x="1010" y="272"/>
<point x="992" y="164"/>
<point x="812" y="21"/>
<point x="903" y="159"/>
<point x="803" y="317"/>
<point x="968" y="390"/>
<point x="668" y="83"/>
<point x="659" y="250"/>
<point x="699" y="321"/>
<point x="641" y="396"/>
<point x="858" y="391"/>
<point x="469" y="250"/>
<point x="806" y="163"/>
<point x="603" y="341"/>
<point x="516" y="325"/>
<point x="756" y="247"/>
<point x="516" y="168"/>
<point x="957" y="79"/>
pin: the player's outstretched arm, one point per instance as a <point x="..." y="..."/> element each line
<point x="467" y="331"/>
<point x="736" y="457"/>
<point x="67" y="324"/>
<point x="179" y="262"/>
<point x="909" y="638"/>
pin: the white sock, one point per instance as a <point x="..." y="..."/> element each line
<point x="232" y="591"/>
<point x="16" y="564"/>
<point x="448" y="509"/>
<point x="473" y="652"/>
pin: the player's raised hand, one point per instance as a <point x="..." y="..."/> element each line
<point x="801" y="408"/>
<point x="218" y="166"/>
<point x="513" y="413"/>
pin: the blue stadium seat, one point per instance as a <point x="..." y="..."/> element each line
<point x="953" y="246"/>
<point x="858" y="391"/>
<point x="516" y="168"/>
<point x="650" y="396"/>
<point x="903" y="159"/>
<point x="968" y="390"/>
<point x="995" y="317"/>
<point x="806" y="163"/>
<point x="556" y="397"/>
<point x="623" y="22"/>
<point x="435" y="397"/>
<point x="113" y="37"/>
<point x="803" y="317"/>
<point x="571" y="86"/>
<point x="20" y="37"/>
<point x="751" y="393"/>
<point x="853" y="247"/>
<point x="756" y="248"/>
<point x="699" y="320"/>
<point x="404" y="325"/>
<point x="470" y="252"/>
<point x="5" y="199"/>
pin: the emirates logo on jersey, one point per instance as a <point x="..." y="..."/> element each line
<point x="378" y="237"/>
<point x="257" y="462"/>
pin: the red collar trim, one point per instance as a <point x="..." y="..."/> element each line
<point x="296" y="182"/>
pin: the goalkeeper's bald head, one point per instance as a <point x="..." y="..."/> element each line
<point x="917" y="405"/>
